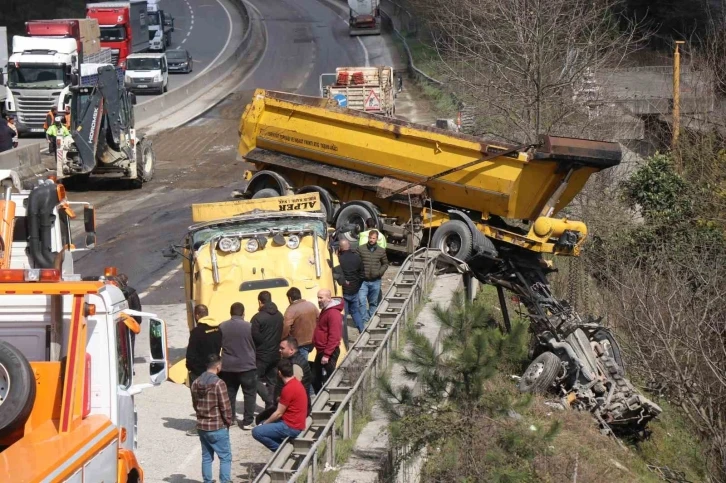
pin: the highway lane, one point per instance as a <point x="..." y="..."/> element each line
<point x="206" y="28"/>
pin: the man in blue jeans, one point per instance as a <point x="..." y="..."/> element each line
<point x="349" y="275"/>
<point x="214" y="417"/>
<point x="375" y="264"/>
<point x="288" y="420"/>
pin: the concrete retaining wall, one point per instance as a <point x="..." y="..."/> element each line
<point x="28" y="161"/>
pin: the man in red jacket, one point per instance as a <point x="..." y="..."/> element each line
<point x="326" y="337"/>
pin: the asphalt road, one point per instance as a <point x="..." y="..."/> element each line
<point x="206" y="28"/>
<point x="197" y="163"/>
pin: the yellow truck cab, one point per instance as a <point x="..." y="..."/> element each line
<point x="236" y="249"/>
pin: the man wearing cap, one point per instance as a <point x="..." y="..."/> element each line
<point x="57" y="129"/>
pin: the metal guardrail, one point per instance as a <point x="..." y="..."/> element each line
<point x="297" y="460"/>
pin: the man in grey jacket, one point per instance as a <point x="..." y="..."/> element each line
<point x="238" y="362"/>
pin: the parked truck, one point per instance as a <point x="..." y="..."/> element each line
<point x="67" y="387"/>
<point x="103" y="139"/>
<point x="124" y="27"/>
<point x="161" y="25"/>
<point x="236" y="249"/>
<point x="487" y="206"/>
<point x="85" y="30"/>
<point x="39" y="73"/>
<point x="364" y="17"/>
<point x="368" y="89"/>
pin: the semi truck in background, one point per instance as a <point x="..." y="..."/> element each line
<point x="84" y="30"/>
<point x="124" y="27"/>
<point x="161" y="25"/>
<point x="364" y="17"/>
<point x="368" y="89"/>
<point x="39" y="73"/>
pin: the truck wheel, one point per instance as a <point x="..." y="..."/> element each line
<point x="354" y="214"/>
<point x="540" y="376"/>
<point x="611" y="347"/>
<point x="17" y="388"/>
<point x="453" y="238"/>
<point x="145" y="164"/>
<point x="265" y="193"/>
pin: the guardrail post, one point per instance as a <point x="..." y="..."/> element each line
<point x="331" y="447"/>
<point x="347" y="420"/>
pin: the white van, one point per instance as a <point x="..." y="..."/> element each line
<point x="147" y="73"/>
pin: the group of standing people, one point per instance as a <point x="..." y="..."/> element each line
<point x="267" y="356"/>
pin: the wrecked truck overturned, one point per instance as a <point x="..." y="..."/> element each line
<point x="462" y="195"/>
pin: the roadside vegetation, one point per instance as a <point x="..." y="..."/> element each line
<point x="484" y="429"/>
<point x="14" y="13"/>
<point x="653" y="266"/>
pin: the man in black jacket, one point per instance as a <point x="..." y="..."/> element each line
<point x="349" y="275"/>
<point x="204" y="339"/>
<point x="267" y="333"/>
<point x="238" y="362"/>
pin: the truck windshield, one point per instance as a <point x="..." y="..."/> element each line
<point x="143" y="64"/>
<point x="284" y="225"/>
<point x="111" y="34"/>
<point x="153" y="18"/>
<point x="36" y="76"/>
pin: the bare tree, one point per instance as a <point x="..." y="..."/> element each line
<point x="521" y="61"/>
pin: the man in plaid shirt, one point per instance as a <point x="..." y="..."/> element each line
<point x="214" y="417"/>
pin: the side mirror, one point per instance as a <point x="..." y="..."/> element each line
<point x="89" y="219"/>
<point x="169" y="252"/>
<point x="159" y="366"/>
<point x="90" y="240"/>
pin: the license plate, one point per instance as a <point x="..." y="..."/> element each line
<point x="143" y="86"/>
<point x="37" y="129"/>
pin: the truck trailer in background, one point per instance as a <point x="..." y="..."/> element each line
<point x="84" y="30"/>
<point x="124" y="27"/>
<point x="3" y="67"/>
<point x="364" y="17"/>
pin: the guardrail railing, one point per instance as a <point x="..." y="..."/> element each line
<point x="334" y="408"/>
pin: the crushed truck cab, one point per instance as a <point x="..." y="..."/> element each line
<point x="236" y="249"/>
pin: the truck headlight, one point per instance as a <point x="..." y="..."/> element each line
<point x="229" y="245"/>
<point x="252" y="245"/>
<point x="157" y="78"/>
<point x="293" y="242"/>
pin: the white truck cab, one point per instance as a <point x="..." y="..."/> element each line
<point x="147" y="72"/>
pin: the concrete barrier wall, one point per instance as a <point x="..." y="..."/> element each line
<point x="27" y="159"/>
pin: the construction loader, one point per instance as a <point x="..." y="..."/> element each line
<point x="103" y="140"/>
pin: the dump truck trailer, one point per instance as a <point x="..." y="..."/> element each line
<point x="489" y="206"/>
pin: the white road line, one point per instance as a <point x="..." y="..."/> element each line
<point x="160" y="281"/>
<point x="229" y="38"/>
<point x="360" y="41"/>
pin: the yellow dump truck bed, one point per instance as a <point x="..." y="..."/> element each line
<point x="290" y="130"/>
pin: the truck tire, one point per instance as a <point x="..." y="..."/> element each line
<point x="328" y="203"/>
<point x="145" y="164"/>
<point x="265" y="193"/>
<point x="541" y="373"/>
<point x="453" y="238"/>
<point x="611" y="347"/>
<point x="355" y="214"/>
<point x="17" y="388"/>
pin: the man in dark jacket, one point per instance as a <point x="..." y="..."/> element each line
<point x="6" y="136"/>
<point x="375" y="264"/>
<point x="267" y="333"/>
<point x="214" y="417"/>
<point x="326" y="338"/>
<point x="204" y="339"/>
<point x="349" y="275"/>
<point x="238" y="362"/>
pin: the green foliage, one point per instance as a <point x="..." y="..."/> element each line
<point x="14" y="13"/>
